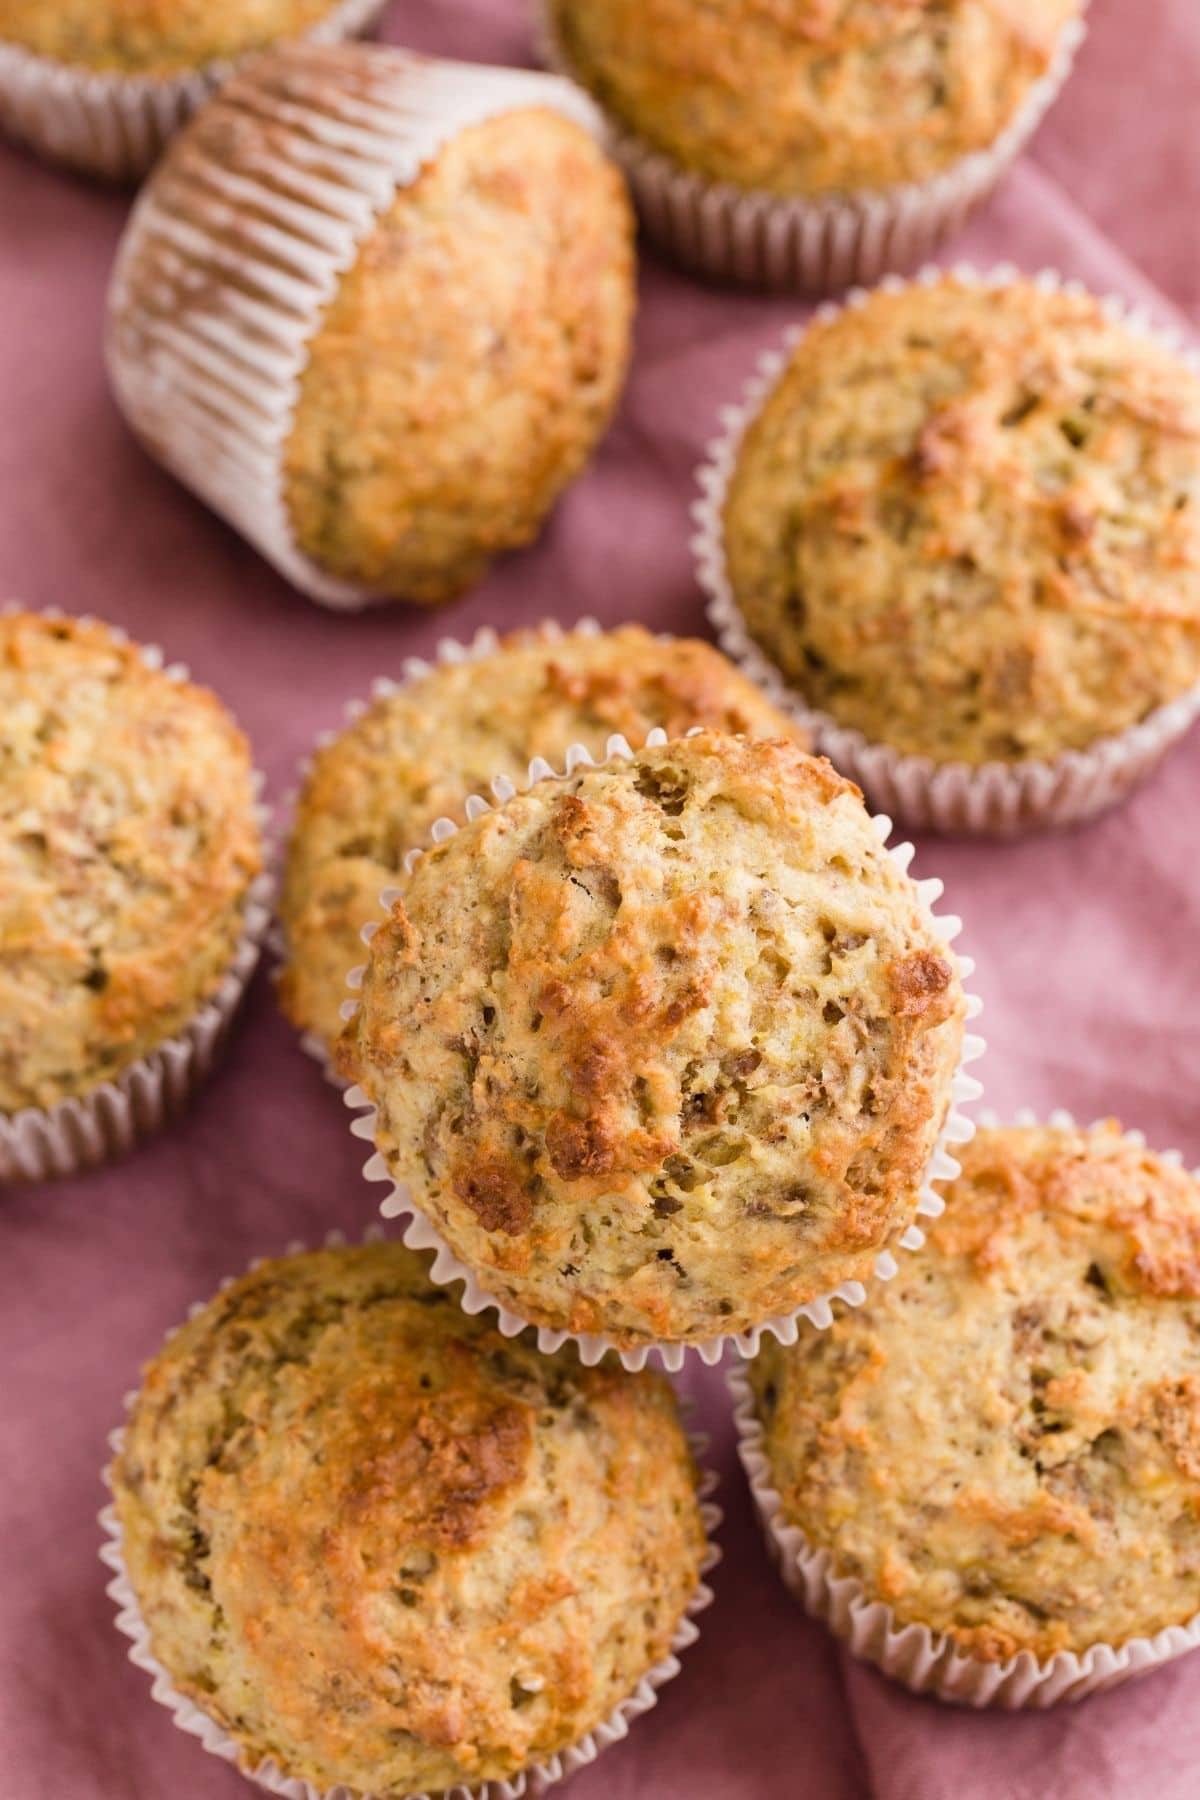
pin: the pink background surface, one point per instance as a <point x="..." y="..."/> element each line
<point x="1085" y="945"/>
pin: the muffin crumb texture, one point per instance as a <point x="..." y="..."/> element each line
<point x="810" y="97"/>
<point x="153" y="37"/>
<point x="415" y="755"/>
<point x="389" y="1548"/>
<point x="128" y="844"/>
<point x="662" y="1049"/>
<point x="1004" y="1443"/>
<point x="468" y="362"/>
<point x="966" y="522"/>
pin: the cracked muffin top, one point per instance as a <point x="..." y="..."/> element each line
<point x="470" y="359"/>
<point x="1004" y="1443"/>
<point x="662" y="1049"/>
<point x="966" y="521"/>
<point x="153" y="37"/>
<point x="810" y="97"/>
<point x="128" y="843"/>
<point x="417" y="753"/>
<point x="388" y="1547"/>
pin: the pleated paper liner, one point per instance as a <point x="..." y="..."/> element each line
<point x="926" y="1661"/>
<point x="420" y="1233"/>
<point x="39" y="1143"/>
<point x="235" y="249"/>
<point x="113" y="125"/>
<point x="820" y="244"/>
<point x="996" y="799"/>
<point x="269" y="1776"/>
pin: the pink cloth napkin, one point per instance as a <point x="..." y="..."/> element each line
<point x="1085" y="945"/>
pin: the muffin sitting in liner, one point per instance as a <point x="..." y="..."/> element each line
<point x="662" y="1049"/>
<point x="128" y="849"/>
<point x="102" y="84"/>
<point x="964" y="524"/>
<point x="817" y="142"/>
<point x="420" y="749"/>
<point x="390" y="1551"/>
<point x="1003" y="1444"/>
<point x="384" y="367"/>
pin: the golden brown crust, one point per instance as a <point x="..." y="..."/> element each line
<point x="635" y="1044"/>
<point x="1004" y="1443"/>
<point x="390" y="1548"/>
<point x="128" y="844"/>
<point x="153" y="37"/>
<point x="967" y="522"/>
<point x="810" y="97"/>
<point x="468" y="363"/>
<point x="415" y="755"/>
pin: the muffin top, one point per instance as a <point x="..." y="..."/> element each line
<point x="662" y="1049"/>
<point x="153" y="37"/>
<point x="471" y="356"/>
<point x="127" y="844"/>
<point x="386" y="1546"/>
<point x="966" y="521"/>
<point x="417" y="753"/>
<point x="1004" y="1443"/>
<point x="809" y="97"/>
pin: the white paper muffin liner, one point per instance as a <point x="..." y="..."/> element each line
<point x="228" y="264"/>
<point x="928" y="1662"/>
<point x="420" y="1233"/>
<point x="994" y="799"/>
<point x="269" y="1776"/>
<point x="484" y="645"/>
<point x="821" y="244"/>
<point x="85" y="1130"/>
<point x="115" y="125"/>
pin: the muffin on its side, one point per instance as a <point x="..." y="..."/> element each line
<point x="128" y="846"/>
<point x="455" y="329"/>
<point x="662" y="1049"/>
<point x="417" y="753"/>
<point x="102" y="84"/>
<point x="1003" y="1445"/>
<point x="965" y="522"/>
<point x="812" y="98"/>
<point x="388" y="1548"/>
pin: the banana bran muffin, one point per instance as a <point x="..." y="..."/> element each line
<point x="153" y="37"/>
<point x="417" y="753"/>
<point x="1003" y="1445"/>
<point x="662" y="1049"/>
<point x="468" y="363"/>
<point x="812" y="97"/>
<point x="389" y="1548"/>
<point x="966" y="521"/>
<point x="128" y="845"/>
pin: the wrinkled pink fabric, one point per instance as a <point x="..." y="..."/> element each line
<point x="1085" y="945"/>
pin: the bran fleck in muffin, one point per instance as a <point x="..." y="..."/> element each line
<point x="129" y="851"/>
<point x="839" y="135"/>
<point x="662" y="1049"/>
<point x="1003" y="1445"/>
<point x="102" y="84"/>
<point x="964" y="525"/>
<point x="419" y="750"/>
<point x="454" y="335"/>
<point x="383" y="1548"/>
